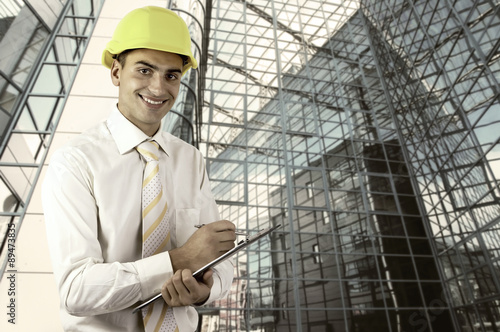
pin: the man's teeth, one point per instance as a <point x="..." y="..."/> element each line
<point x="152" y="101"/>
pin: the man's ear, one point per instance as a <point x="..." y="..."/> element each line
<point x="116" y="69"/>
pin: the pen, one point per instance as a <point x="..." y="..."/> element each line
<point x="237" y="233"/>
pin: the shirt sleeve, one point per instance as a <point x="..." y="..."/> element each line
<point x="88" y="285"/>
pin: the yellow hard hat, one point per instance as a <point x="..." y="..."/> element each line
<point x="154" y="28"/>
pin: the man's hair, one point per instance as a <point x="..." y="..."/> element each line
<point x="123" y="56"/>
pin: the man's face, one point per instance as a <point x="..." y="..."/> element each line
<point x="148" y="86"/>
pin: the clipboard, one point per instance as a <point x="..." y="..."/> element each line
<point x="199" y="273"/>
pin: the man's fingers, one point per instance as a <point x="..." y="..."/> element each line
<point x="226" y="236"/>
<point x="183" y="289"/>
<point x="223" y="225"/>
<point x="166" y="294"/>
<point x="188" y="281"/>
<point x="226" y="246"/>
<point x="168" y="291"/>
<point x="205" y="245"/>
<point x="174" y="292"/>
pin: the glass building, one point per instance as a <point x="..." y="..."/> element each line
<point x="368" y="129"/>
<point x="41" y="47"/>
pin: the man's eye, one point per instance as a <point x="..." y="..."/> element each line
<point x="172" y="76"/>
<point x="144" y="71"/>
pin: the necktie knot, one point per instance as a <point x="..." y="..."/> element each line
<point x="149" y="150"/>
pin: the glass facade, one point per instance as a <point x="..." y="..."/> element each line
<point x="182" y="119"/>
<point x="368" y="129"/>
<point x="41" y="47"/>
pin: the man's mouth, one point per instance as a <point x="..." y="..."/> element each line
<point x="151" y="101"/>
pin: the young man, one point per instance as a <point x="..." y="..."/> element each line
<point x="122" y="200"/>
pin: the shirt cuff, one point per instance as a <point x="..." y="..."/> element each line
<point x="215" y="291"/>
<point x="153" y="272"/>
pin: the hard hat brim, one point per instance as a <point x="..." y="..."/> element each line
<point x="153" y="28"/>
<point x="108" y="58"/>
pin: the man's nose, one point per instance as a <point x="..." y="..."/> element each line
<point x="158" y="85"/>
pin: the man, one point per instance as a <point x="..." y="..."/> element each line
<point x="122" y="201"/>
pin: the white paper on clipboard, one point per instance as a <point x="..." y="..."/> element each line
<point x="199" y="273"/>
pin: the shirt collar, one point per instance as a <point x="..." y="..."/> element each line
<point x="127" y="136"/>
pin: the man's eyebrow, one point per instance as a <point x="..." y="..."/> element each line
<point x="174" y="70"/>
<point x="147" y="64"/>
<point x="144" y="63"/>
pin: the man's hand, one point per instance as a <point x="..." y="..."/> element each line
<point x="205" y="245"/>
<point x="183" y="289"/>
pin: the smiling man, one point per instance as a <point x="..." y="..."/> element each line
<point x="122" y="200"/>
<point x="149" y="85"/>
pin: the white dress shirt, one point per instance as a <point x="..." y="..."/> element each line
<point x="92" y="203"/>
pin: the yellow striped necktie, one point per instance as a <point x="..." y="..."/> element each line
<point x="155" y="232"/>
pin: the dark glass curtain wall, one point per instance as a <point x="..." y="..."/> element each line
<point x="370" y="131"/>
